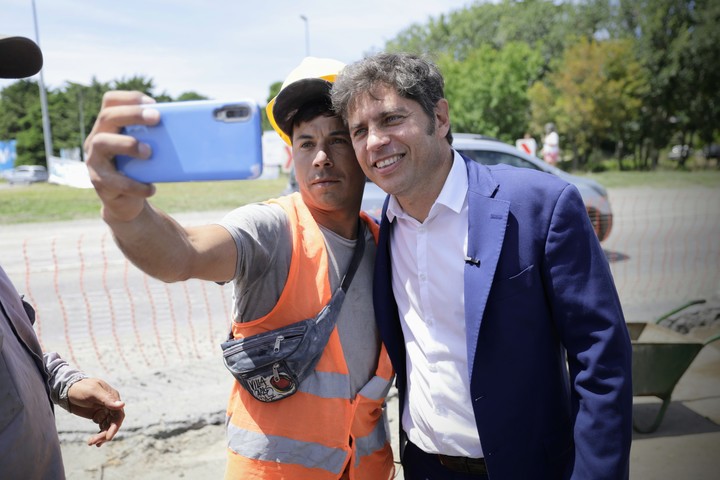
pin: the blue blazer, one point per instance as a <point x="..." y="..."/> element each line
<point x="549" y="353"/>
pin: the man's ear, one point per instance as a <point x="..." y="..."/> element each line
<point x="442" y="118"/>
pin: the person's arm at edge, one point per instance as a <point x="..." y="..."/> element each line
<point x="85" y="397"/>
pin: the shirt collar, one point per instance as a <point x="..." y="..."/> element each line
<point x="451" y="196"/>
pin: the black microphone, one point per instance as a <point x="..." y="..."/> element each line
<point x="472" y="261"/>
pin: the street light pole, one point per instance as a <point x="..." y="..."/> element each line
<point x="47" y="135"/>
<point x="307" y="35"/>
<point x="81" y="116"/>
<point x="82" y="124"/>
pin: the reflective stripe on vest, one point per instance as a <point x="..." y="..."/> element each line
<point x="335" y="385"/>
<point x="376" y="389"/>
<point x="368" y="445"/>
<point x="307" y="435"/>
<point x="272" y="448"/>
<point x="327" y="385"/>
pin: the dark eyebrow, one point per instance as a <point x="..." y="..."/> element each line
<point x="334" y="133"/>
<point x="383" y="114"/>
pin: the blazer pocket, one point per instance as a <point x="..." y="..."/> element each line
<point x="514" y="285"/>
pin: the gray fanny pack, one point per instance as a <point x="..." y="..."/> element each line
<point x="272" y="365"/>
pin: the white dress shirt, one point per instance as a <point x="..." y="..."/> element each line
<point x="428" y="262"/>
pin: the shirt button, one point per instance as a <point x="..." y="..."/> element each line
<point x="441" y="411"/>
<point x="432" y="367"/>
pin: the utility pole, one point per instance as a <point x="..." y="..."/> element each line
<point x="47" y="134"/>
<point x="81" y="115"/>
<point x="307" y="35"/>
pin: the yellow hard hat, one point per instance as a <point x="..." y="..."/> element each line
<point x="311" y="79"/>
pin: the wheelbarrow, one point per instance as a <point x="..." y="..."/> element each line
<point x="660" y="358"/>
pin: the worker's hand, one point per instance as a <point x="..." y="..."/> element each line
<point x="94" y="399"/>
<point x="123" y="198"/>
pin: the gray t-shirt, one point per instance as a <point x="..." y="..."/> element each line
<point x="262" y="234"/>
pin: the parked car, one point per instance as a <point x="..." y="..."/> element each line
<point x="27" y="174"/>
<point x="490" y="151"/>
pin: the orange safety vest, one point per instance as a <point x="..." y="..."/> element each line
<point x="320" y="430"/>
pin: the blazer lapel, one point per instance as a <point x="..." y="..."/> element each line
<point x="386" y="312"/>
<point x="487" y="221"/>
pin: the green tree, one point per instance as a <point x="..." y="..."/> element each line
<point x="488" y="90"/>
<point x="678" y="43"/>
<point x="21" y="119"/>
<point x="73" y="112"/>
<point x="274" y="90"/>
<point x="545" y="24"/>
<point x="63" y="120"/>
<point x="141" y="84"/>
<point x="696" y="106"/>
<point x="190" y="96"/>
<point x="594" y="95"/>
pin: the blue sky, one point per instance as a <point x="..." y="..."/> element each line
<point x="221" y="48"/>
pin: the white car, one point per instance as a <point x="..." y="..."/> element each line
<point x="490" y="151"/>
<point x="27" y="174"/>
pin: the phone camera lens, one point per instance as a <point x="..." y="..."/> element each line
<point x="237" y="112"/>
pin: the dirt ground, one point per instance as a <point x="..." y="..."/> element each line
<point x="193" y="454"/>
<point x="192" y="449"/>
<point x="175" y="425"/>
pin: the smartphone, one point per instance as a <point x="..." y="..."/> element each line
<point x="198" y="140"/>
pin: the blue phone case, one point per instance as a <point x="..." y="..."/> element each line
<point x="198" y="141"/>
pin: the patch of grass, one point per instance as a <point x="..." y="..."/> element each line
<point x="657" y="179"/>
<point x="225" y="195"/>
<point x="44" y="202"/>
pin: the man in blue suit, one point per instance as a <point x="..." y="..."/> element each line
<point x="492" y="294"/>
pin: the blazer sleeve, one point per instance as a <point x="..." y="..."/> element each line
<point x="586" y="310"/>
